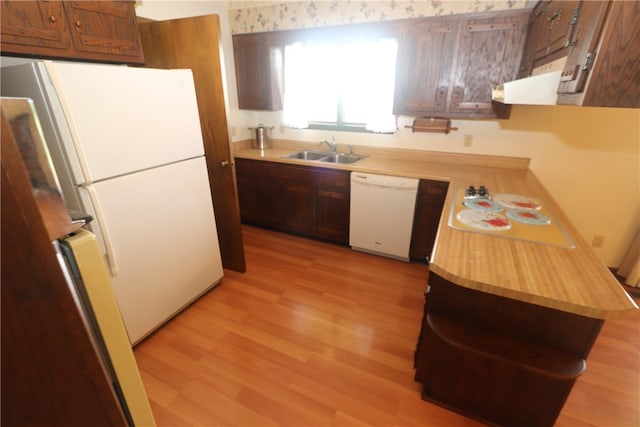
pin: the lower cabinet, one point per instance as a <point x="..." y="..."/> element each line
<point x="429" y="203"/>
<point x="303" y="200"/>
<point x="501" y="361"/>
<point x="332" y="200"/>
<point x="298" y="199"/>
<point x="259" y="192"/>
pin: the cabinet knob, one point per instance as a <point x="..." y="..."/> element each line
<point x="225" y="163"/>
<point x="78" y="24"/>
<point x="52" y="18"/>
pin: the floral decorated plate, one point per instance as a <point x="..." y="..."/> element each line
<point x="516" y="201"/>
<point x="483" y="204"/>
<point x="528" y="216"/>
<point x="483" y="220"/>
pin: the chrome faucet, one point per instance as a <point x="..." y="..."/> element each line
<point x="332" y="145"/>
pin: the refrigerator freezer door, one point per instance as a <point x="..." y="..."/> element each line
<point x="162" y="230"/>
<point x="124" y="119"/>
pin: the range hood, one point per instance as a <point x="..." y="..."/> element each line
<point x="539" y="89"/>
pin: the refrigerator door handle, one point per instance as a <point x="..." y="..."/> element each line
<point x="106" y="238"/>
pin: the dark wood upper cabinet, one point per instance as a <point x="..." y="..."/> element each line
<point x="29" y="25"/>
<point x="103" y="31"/>
<point x="446" y="66"/>
<point x="488" y="53"/>
<point x="560" y="19"/>
<point x="556" y="28"/>
<point x="104" y="27"/>
<point x="259" y="71"/>
<point x="603" y="60"/>
<point x="423" y="71"/>
<point x="599" y="40"/>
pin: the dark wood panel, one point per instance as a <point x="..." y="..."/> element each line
<point x="426" y="218"/>
<point x="501" y="361"/>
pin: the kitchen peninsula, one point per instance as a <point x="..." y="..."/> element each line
<point x="508" y="323"/>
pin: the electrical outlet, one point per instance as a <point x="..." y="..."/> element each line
<point x="468" y="139"/>
<point x="597" y="241"/>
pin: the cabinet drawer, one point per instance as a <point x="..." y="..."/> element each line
<point x="257" y="168"/>
<point x="298" y="174"/>
<point x="336" y="178"/>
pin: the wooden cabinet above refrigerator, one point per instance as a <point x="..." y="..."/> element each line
<point x="104" y="31"/>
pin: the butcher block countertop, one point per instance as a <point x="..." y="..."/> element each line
<point x="570" y="279"/>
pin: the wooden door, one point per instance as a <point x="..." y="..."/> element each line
<point x="195" y="43"/>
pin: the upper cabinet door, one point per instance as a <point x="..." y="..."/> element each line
<point x="489" y="53"/>
<point x="536" y="41"/>
<point x="28" y="26"/>
<point x="423" y="69"/>
<point x="104" y="27"/>
<point x="105" y="31"/>
<point x="603" y="65"/>
<point x="259" y="72"/>
<point x="561" y="17"/>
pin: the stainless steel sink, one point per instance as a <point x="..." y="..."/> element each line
<point x="307" y="155"/>
<point x="324" y="156"/>
<point x="341" y="158"/>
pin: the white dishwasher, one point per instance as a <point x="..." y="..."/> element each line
<point x="381" y="217"/>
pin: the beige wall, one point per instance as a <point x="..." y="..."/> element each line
<point x="588" y="158"/>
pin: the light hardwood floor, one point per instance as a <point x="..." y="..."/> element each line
<point x="315" y="334"/>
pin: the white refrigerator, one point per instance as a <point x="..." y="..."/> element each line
<point x="127" y="148"/>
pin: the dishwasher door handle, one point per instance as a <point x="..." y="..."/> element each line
<point x="384" y="181"/>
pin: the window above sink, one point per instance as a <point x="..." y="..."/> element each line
<point x="328" y="84"/>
